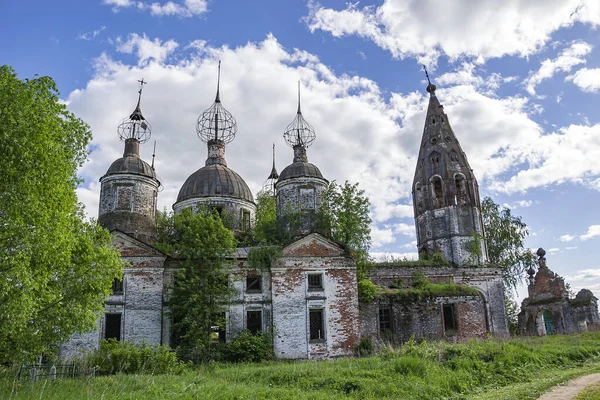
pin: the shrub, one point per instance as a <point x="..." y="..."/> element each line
<point x="365" y="347"/>
<point x="248" y="347"/>
<point x="114" y="357"/>
<point x="366" y="290"/>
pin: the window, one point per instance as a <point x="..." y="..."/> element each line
<point x="438" y="193"/>
<point x="385" y="319"/>
<point x="462" y="197"/>
<point x="449" y="318"/>
<point x="117" y="286"/>
<point x="253" y="284"/>
<point x="254" y="321"/>
<point x="112" y="326"/>
<point x="245" y="220"/>
<point x="307" y="198"/>
<point x="315" y="282"/>
<point x="124" y="194"/>
<point x="317" y="333"/>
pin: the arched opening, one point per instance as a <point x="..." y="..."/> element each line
<point x="462" y="195"/>
<point x="418" y="197"/>
<point x="438" y="192"/>
<point x="545" y="323"/>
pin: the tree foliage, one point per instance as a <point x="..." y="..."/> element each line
<point x="344" y="216"/>
<point x="200" y="242"/>
<point x="56" y="269"/>
<point x="504" y="236"/>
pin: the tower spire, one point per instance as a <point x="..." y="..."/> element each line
<point x="218" y="100"/>
<point x="299" y="111"/>
<point x="274" y="174"/>
<point x="153" y="154"/>
<point x="430" y="86"/>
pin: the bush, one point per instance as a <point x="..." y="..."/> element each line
<point x="114" y="357"/>
<point x="365" y="347"/>
<point x="248" y="347"/>
<point x="366" y="290"/>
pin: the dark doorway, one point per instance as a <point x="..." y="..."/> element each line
<point x="112" y="326"/>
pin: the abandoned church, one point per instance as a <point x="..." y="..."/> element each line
<point x="308" y="297"/>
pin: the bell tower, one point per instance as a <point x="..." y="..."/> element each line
<point x="129" y="188"/>
<point x="445" y="193"/>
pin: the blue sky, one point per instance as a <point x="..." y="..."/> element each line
<point x="520" y="82"/>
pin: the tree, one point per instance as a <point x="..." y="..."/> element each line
<point x="265" y="227"/>
<point x="201" y="243"/>
<point x="344" y="216"/>
<point x="504" y="236"/>
<point x="56" y="269"/>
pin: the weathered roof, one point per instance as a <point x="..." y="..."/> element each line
<point x="215" y="180"/>
<point x="300" y="169"/>
<point x="131" y="164"/>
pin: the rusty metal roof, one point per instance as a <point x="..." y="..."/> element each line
<point x="300" y="169"/>
<point x="215" y="180"/>
<point x="131" y="164"/>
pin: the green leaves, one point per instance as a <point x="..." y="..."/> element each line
<point x="505" y="235"/>
<point x="201" y="243"/>
<point x="56" y="269"/>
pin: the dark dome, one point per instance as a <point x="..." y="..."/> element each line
<point x="300" y="169"/>
<point x="131" y="165"/>
<point x="215" y="180"/>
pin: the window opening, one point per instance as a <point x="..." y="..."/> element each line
<point x="254" y="321"/>
<point x="112" y="326"/>
<point x="317" y="332"/>
<point x="245" y="220"/>
<point x="117" y="286"/>
<point x="462" y="197"/>
<point x="438" y="193"/>
<point x="253" y="284"/>
<point x="315" y="282"/>
<point x="449" y="318"/>
<point x="385" y="319"/>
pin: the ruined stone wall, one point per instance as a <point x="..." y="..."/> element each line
<point x="233" y="209"/>
<point x="245" y="300"/>
<point x="128" y="203"/>
<point x="293" y="300"/>
<point x="487" y="280"/>
<point x="450" y="230"/>
<point x="424" y="319"/>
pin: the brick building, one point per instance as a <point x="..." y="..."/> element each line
<point x="549" y="309"/>
<point x="308" y="297"/>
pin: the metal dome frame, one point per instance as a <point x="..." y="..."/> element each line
<point x="135" y="126"/>
<point x="216" y="123"/>
<point x="299" y="131"/>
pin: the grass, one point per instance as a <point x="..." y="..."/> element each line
<point x="591" y="393"/>
<point x="489" y="369"/>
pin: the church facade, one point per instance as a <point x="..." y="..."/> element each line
<point x="308" y="298"/>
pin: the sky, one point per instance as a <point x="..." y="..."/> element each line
<point x="519" y="80"/>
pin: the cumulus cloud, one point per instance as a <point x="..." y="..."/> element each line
<point x="382" y="256"/>
<point x="185" y="9"/>
<point x="592" y="232"/>
<point x="586" y="79"/>
<point x="376" y="137"/>
<point x="566" y="60"/>
<point x="566" y="238"/>
<point x="481" y="29"/>
<point x="146" y="49"/>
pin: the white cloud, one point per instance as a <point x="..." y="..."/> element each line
<point x="91" y="35"/>
<point x="382" y="256"/>
<point x="146" y="49"/>
<point x="588" y="80"/>
<point x="187" y="9"/>
<point x="593" y="231"/>
<point x="566" y="238"/>
<point x="427" y="28"/>
<point x="566" y="60"/>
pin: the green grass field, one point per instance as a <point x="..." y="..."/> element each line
<point x="491" y="369"/>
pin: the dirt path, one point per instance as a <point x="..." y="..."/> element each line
<point x="572" y="388"/>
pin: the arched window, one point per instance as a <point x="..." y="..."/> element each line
<point x="462" y="195"/>
<point x="419" y="197"/>
<point x="437" y="192"/>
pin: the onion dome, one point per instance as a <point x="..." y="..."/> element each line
<point x="216" y="127"/>
<point x="299" y="134"/>
<point x="133" y="130"/>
